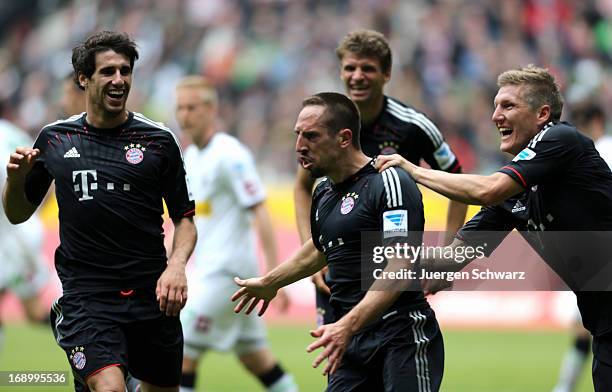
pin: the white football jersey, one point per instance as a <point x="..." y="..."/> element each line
<point x="225" y="184"/>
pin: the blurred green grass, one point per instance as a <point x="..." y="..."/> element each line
<point x="476" y="360"/>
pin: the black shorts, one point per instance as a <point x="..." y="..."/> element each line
<point x="602" y="363"/>
<point x="99" y="330"/>
<point x="404" y="351"/>
<point x="325" y="312"/>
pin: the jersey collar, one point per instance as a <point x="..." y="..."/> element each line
<point x="90" y="128"/>
<point x="367" y="169"/>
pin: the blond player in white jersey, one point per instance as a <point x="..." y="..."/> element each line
<point x="23" y="270"/>
<point x="229" y="209"/>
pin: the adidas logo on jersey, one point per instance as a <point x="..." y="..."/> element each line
<point x="72" y="153"/>
<point x="518" y="207"/>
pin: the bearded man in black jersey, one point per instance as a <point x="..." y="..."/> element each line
<point x="566" y="187"/>
<point x="382" y="340"/>
<point x="112" y="169"/>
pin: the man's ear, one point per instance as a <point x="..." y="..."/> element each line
<point x="83" y="80"/>
<point x="344" y="137"/>
<point x="387" y="75"/>
<point x="544" y="115"/>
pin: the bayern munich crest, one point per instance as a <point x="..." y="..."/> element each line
<point x="134" y="153"/>
<point x="348" y="202"/>
<point x="78" y="358"/>
<point x="388" y="148"/>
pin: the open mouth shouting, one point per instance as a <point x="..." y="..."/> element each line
<point x="305" y="162"/>
<point x="505" y="132"/>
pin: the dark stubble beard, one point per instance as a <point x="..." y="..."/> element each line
<point x="316" y="172"/>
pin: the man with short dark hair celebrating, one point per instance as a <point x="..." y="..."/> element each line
<point x="112" y="169"/>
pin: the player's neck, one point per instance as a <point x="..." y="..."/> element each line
<point x="348" y="165"/>
<point x="370" y="111"/>
<point x="105" y="120"/>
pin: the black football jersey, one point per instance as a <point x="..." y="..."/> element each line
<point x="403" y="130"/>
<point x="569" y="190"/>
<point x="388" y="203"/>
<point x="110" y="186"/>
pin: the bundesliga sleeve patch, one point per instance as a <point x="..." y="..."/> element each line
<point x="525" y="155"/>
<point x="395" y="223"/>
<point x="444" y="156"/>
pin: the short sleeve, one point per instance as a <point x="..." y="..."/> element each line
<point x="436" y="151"/>
<point x="317" y="194"/>
<point x="442" y="157"/>
<point x="39" y="179"/>
<point x="551" y="150"/>
<point x="176" y="193"/>
<point x="400" y="207"/>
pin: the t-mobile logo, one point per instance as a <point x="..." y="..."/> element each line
<point x="85" y="186"/>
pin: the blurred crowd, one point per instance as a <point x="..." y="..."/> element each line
<point x="265" y="56"/>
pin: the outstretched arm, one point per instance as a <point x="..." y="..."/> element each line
<point x="306" y="261"/>
<point x="466" y="188"/>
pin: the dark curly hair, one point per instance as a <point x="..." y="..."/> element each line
<point x="84" y="54"/>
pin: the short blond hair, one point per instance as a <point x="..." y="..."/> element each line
<point x="542" y="88"/>
<point x="209" y="93"/>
